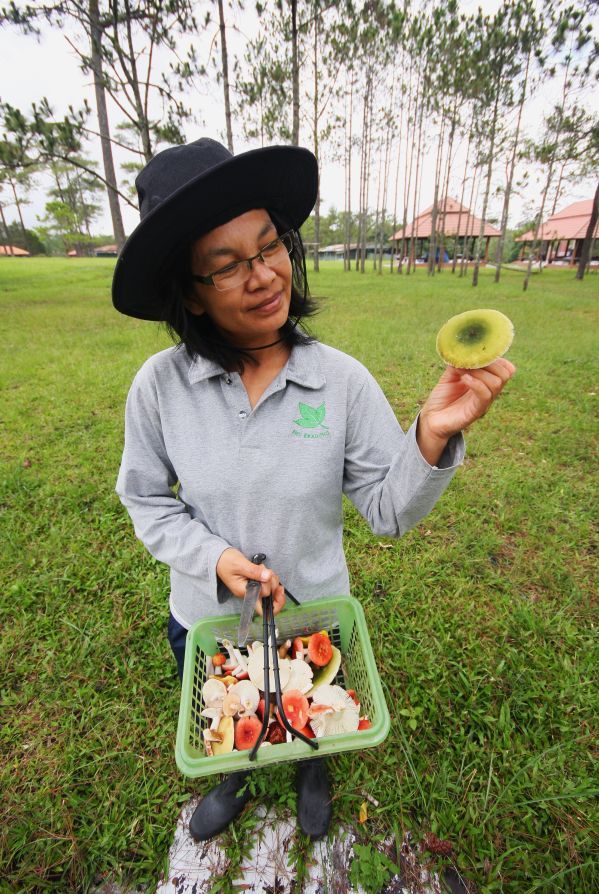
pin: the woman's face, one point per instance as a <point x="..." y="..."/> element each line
<point x="255" y="310"/>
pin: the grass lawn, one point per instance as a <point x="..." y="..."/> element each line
<point x="483" y="619"/>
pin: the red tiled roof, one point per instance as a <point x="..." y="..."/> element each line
<point x="13" y="250"/>
<point x="469" y="225"/>
<point x="570" y="223"/>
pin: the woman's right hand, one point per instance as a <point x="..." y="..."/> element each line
<point x="235" y="571"/>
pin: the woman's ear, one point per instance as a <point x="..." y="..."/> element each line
<point x="194" y="305"/>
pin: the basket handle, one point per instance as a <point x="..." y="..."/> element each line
<point x="291" y="596"/>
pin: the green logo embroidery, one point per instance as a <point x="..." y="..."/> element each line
<point x="311" y="417"/>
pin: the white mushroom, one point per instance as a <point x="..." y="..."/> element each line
<point x="240" y="672"/>
<point x="231" y="702"/>
<point x="256" y="668"/>
<point x="300" y="676"/>
<point x="341" y="714"/>
<point x="284" y="648"/>
<point x="213" y="693"/>
<point x="298" y="648"/>
<point x="232" y="659"/>
<point x="248" y="695"/>
<point x="236" y="659"/>
<point x="214" y="715"/>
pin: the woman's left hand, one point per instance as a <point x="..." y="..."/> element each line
<point x="460" y="397"/>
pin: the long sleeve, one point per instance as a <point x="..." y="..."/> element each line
<point x="145" y="485"/>
<point x="385" y="475"/>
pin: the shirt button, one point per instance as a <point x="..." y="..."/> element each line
<point x="242" y="414"/>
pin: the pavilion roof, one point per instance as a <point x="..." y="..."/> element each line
<point x="570" y="223"/>
<point x="13" y="250"/>
<point x="459" y="221"/>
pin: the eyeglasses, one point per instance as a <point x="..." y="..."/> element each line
<point x="238" y="272"/>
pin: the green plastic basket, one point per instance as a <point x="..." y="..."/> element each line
<point x="343" y="618"/>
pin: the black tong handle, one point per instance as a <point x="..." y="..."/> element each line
<point x="268" y="627"/>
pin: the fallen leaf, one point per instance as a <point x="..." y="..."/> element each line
<point x="363" y="812"/>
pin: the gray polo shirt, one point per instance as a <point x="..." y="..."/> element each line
<point x="201" y="471"/>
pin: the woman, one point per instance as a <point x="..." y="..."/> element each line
<point x="260" y="428"/>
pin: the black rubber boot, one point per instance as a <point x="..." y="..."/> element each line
<point x="219" y="807"/>
<point x="313" y="797"/>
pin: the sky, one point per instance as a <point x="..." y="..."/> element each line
<point x="31" y="69"/>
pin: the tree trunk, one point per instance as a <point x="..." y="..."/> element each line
<point x="384" y="201"/>
<point x="133" y="77"/>
<point x="558" y="188"/>
<point x="107" y="159"/>
<point x="585" y="254"/>
<point x="408" y="172"/>
<point x="464" y="178"/>
<point x="9" y="248"/>
<point x="432" y="247"/>
<point x="19" y="212"/>
<point x="508" y="187"/>
<point x="295" y="75"/>
<point x="470" y="228"/>
<point x="225" y="63"/>
<point x="549" y="178"/>
<point x="445" y="189"/>
<point x="347" y="233"/>
<point x="364" y="176"/>
<point x="317" y="206"/>
<point x="491" y="151"/>
<point x="412" y="257"/>
<point x="394" y="243"/>
<point x="379" y="179"/>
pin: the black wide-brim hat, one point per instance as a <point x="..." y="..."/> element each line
<point x="186" y="191"/>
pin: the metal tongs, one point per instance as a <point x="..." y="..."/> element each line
<point x="270" y="639"/>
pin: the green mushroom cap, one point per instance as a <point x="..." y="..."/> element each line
<point x="475" y="338"/>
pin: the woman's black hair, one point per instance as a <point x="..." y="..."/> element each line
<point x="199" y="335"/>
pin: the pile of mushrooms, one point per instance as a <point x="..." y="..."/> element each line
<point x="235" y="683"/>
<point x="222" y="705"/>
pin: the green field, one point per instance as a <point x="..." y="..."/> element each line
<point x="483" y="619"/>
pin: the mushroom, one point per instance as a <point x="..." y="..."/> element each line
<point x="284" y="648"/>
<point x="338" y="712"/>
<point x="208" y="744"/>
<point x="214" y="715"/>
<point x="256" y="668"/>
<point x="231" y="703"/>
<point x="213" y="693"/>
<point x="248" y="696"/>
<point x="240" y="673"/>
<point x="298" y="648"/>
<point x="300" y="676"/>
<point x="226" y="729"/>
<point x="236" y="659"/>
<point x="216" y="661"/>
